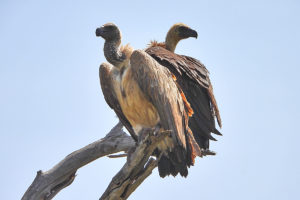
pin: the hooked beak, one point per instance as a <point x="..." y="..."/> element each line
<point x="192" y="33"/>
<point x="99" y="31"/>
<point x="186" y="32"/>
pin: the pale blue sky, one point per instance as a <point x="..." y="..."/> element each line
<point x="51" y="103"/>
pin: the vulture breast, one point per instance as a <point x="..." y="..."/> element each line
<point x="138" y="110"/>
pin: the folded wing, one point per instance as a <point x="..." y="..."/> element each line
<point x="193" y="78"/>
<point x="159" y="87"/>
<point x="110" y="96"/>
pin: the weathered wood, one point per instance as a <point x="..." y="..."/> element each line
<point x="137" y="168"/>
<point x="47" y="184"/>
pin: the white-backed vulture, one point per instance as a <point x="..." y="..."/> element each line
<point x="193" y="78"/>
<point x="144" y="95"/>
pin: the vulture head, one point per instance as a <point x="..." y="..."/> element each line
<point x="109" y="32"/>
<point x="176" y="33"/>
<point x="112" y="52"/>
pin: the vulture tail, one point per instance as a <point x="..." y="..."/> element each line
<point x="179" y="159"/>
<point x="171" y="164"/>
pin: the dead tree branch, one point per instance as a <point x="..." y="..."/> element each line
<point x="47" y="184"/>
<point x="137" y="168"/>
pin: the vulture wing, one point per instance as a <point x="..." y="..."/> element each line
<point x="193" y="78"/>
<point x="156" y="83"/>
<point x="158" y="86"/>
<point x="110" y="97"/>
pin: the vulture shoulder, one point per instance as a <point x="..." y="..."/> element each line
<point x="181" y="65"/>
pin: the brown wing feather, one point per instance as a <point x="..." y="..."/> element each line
<point x="157" y="84"/>
<point x="159" y="87"/>
<point x="193" y="78"/>
<point x="110" y="97"/>
<point x="198" y="65"/>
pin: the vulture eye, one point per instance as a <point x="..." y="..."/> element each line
<point x="182" y="28"/>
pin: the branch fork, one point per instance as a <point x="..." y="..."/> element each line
<point x="138" y="167"/>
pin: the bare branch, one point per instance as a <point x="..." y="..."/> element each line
<point x="47" y="184"/>
<point x="137" y="168"/>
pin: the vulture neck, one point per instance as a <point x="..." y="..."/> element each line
<point x="171" y="41"/>
<point x="112" y="52"/>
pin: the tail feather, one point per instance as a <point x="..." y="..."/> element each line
<point x="179" y="159"/>
<point x="164" y="166"/>
<point x="184" y="172"/>
<point x="172" y="164"/>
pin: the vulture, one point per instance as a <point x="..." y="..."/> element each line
<point x="144" y="95"/>
<point x="193" y="78"/>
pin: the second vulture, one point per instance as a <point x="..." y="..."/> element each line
<point x="193" y="78"/>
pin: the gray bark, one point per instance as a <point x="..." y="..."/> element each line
<point x="47" y="184"/>
<point x="137" y="168"/>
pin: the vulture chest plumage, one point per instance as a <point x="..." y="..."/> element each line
<point x="138" y="110"/>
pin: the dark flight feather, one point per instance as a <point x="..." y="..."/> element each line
<point x="193" y="78"/>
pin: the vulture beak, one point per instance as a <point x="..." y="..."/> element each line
<point x="99" y="31"/>
<point x="192" y="33"/>
<point x="186" y="32"/>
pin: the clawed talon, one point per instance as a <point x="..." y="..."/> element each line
<point x="207" y="152"/>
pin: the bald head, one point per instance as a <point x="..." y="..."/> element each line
<point x="109" y="32"/>
<point x="112" y="36"/>
<point x="178" y="32"/>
